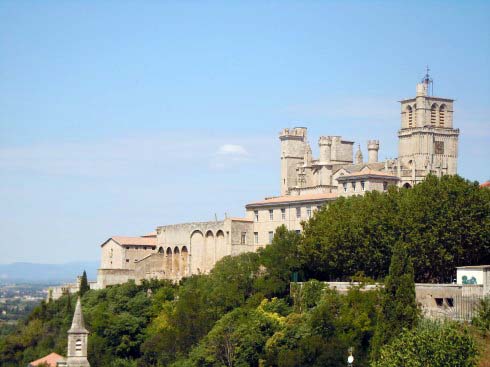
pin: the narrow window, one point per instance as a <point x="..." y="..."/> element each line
<point x="353" y="184"/>
<point x="385" y="186"/>
<point x="345" y="187"/>
<point x="410" y="116"/>
<point x="362" y="185"/>
<point x="243" y="238"/>
<point x="442" y="113"/>
<point x="308" y="211"/>
<point x="271" y="214"/>
<point x="127" y="260"/>
<point x="78" y="345"/>
<point x="433" y="114"/>
<point x="271" y="236"/>
<point x="283" y="214"/>
<point x="298" y="213"/>
<point x="256" y="214"/>
<point x="256" y="237"/>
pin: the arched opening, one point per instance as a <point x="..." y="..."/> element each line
<point x="197" y="249"/>
<point x="433" y="114"/>
<point x="442" y="114"/>
<point x="168" y="261"/>
<point x="407" y="186"/>
<point x="161" y="250"/>
<point x="176" y="264"/>
<point x="185" y="262"/>
<point x="210" y="248"/>
<point x="221" y="250"/>
<point x="409" y="116"/>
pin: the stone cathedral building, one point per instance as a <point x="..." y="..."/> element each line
<point x="427" y="144"/>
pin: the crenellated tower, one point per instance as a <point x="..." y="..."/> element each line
<point x="293" y="151"/>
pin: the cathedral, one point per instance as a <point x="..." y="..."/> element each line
<point x="427" y="144"/>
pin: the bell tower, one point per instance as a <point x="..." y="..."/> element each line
<point x="427" y="141"/>
<point x="77" y="340"/>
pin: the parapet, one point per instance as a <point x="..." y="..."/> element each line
<point x="373" y="144"/>
<point x="325" y="140"/>
<point x="295" y="133"/>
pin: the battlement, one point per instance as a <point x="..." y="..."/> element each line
<point x="294" y="133"/>
<point x="373" y="144"/>
<point x="325" y="140"/>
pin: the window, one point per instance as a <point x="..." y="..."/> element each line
<point x="144" y="248"/>
<point x="308" y="211"/>
<point x="256" y="215"/>
<point x="362" y="185"/>
<point x="271" y="214"/>
<point x="127" y="260"/>
<point x="410" y="116"/>
<point x="433" y="114"/>
<point x="283" y="214"/>
<point x="450" y="302"/>
<point x="298" y="212"/>
<point x="127" y="247"/>
<point x="439" y="302"/>
<point x="345" y="187"/>
<point x="243" y="239"/>
<point x="271" y="236"/>
<point x="385" y="186"/>
<point x="298" y="231"/>
<point x="442" y="112"/>
<point x="353" y="184"/>
<point x="256" y="237"/>
<point x="78" y="345"/>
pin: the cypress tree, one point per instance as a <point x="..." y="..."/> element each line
<point x="398" y="305"/>
<point x="84" y="287"/>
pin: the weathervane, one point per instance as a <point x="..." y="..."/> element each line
<point x="427" y="80"/>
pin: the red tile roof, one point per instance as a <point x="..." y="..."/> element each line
<point x="295" y="199"/>
<point x="485" y="184"/>
<point x="369" y="172"/>
<point x="133" y="241"/>
<point x="50" y="360"/>
<point x="151" y="234"/>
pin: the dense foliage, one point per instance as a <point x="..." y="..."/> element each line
<point x="430" y="344"/>
<point x="241" y="313"/>
<point x="445" y="223"/>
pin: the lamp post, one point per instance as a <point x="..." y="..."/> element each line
<point x="350" y="358"/>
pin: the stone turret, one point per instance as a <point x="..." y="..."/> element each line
<point x="293" y="149"/>
<point x="373" y="148"/>
<point x="77" y="340"/>
<point x="325" y="144"/>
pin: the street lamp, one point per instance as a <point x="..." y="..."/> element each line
<point x="350" y="358"/>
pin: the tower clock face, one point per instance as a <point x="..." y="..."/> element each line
<point x="439" y="147"/>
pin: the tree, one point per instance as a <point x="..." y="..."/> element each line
<point x="482" y="318"/>
<point x="398" y="305"/>
<point x="430" y="344"/>
<point x="84" y="287"/>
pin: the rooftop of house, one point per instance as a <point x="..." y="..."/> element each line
<point x="133" y="241"/>
<point x="50" y="360"/>
<point x="293" y="199"/>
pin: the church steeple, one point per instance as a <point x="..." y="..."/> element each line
<point x="77" y="340"/>
<point x="359" y="157"/>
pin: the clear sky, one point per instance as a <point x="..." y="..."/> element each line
<point x="118" y="116"/>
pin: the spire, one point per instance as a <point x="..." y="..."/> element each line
<point x="359" y="157"/>
<point x="77" y="325"/>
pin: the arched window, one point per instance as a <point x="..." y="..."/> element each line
<point x="442" y="114"/>
<point x="169" y="261"/>
<point x="409" y="116"/>
<point x="433" y="114"/>
<point x="78" y="345"/>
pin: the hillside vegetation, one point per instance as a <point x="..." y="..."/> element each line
<point x="241" y="313"/>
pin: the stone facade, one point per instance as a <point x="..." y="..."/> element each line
<point x="428" y="144"/>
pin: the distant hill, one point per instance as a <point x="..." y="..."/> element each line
<point x="47" y="273"/>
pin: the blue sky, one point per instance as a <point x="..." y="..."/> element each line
<point x="119" y="116"/>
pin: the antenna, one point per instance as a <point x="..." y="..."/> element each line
<point x="427" y="80"/>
